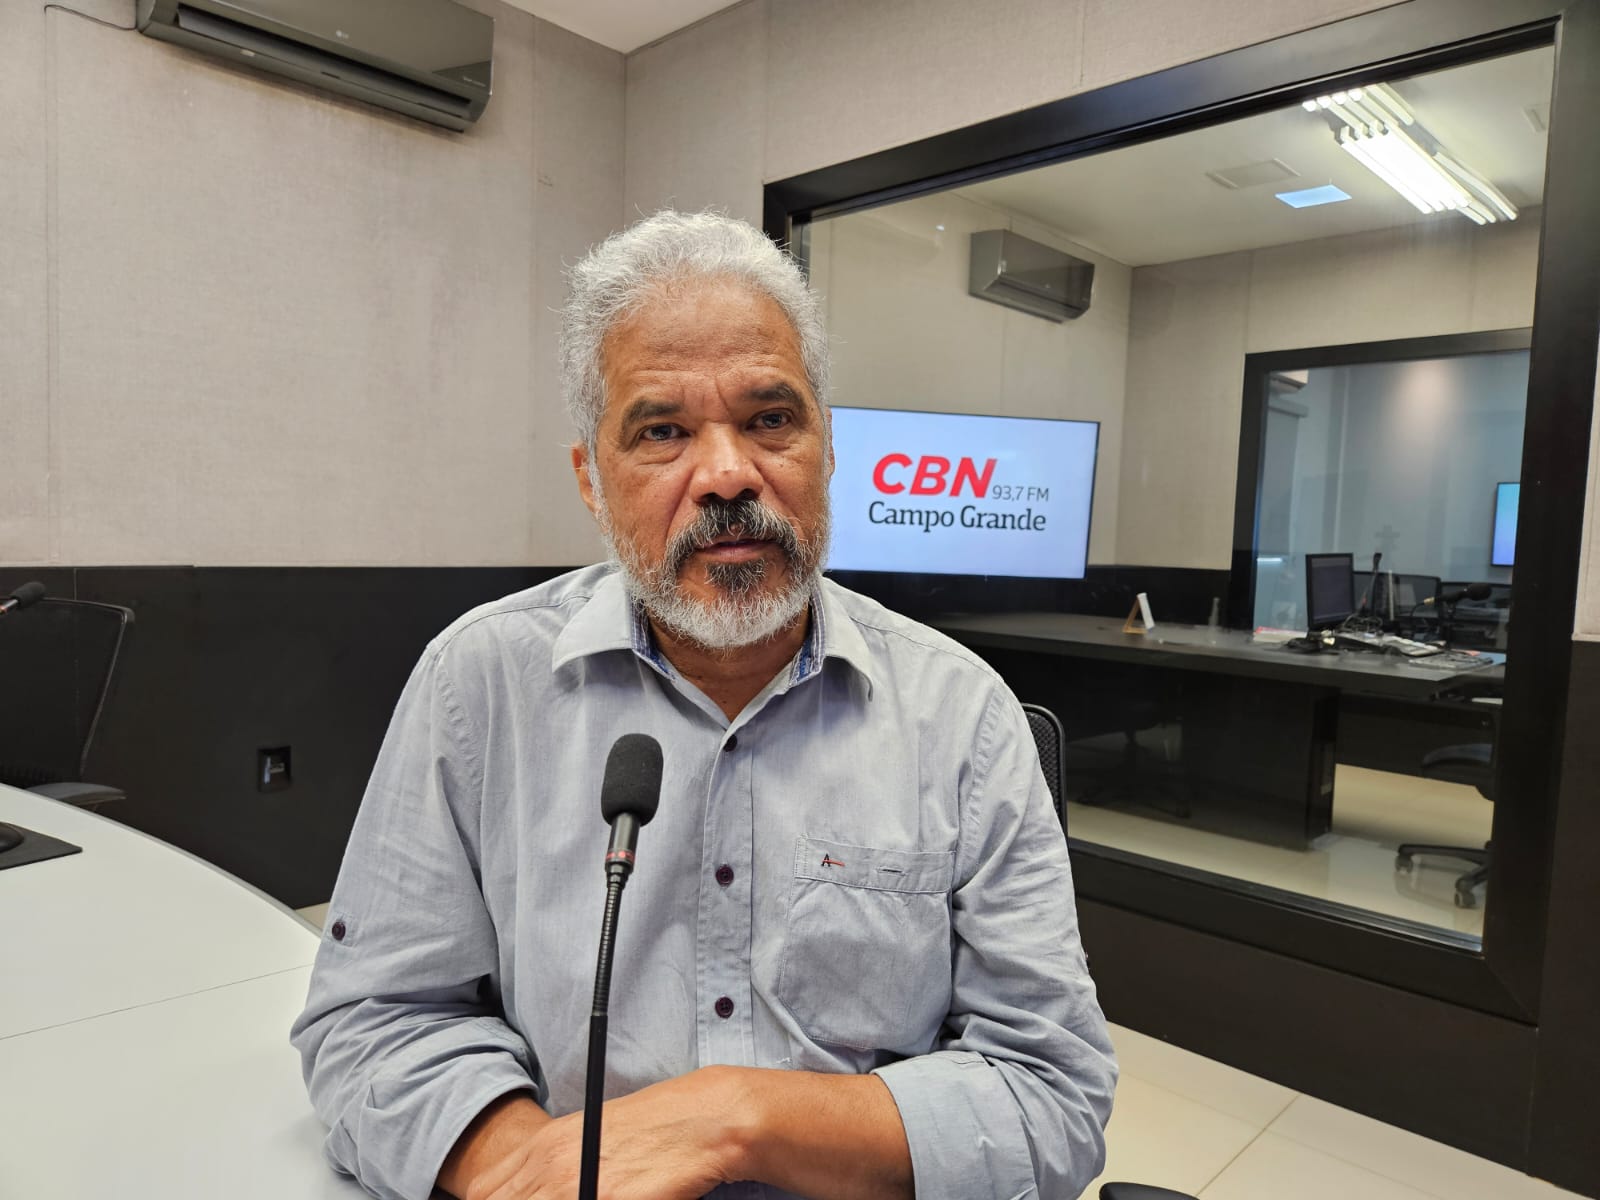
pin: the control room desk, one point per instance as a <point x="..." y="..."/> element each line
<point x="145" y="1004"/>
<point x="1258" y="722"/>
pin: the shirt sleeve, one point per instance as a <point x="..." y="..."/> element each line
<point x="1014" y="1098"/>
<point x="401" y="1041"/>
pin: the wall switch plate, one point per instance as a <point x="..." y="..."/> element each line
<point x="272" y="769"/>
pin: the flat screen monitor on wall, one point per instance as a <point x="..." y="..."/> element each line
<point x="1506" y="497"/>
<point x="961" y="494"/>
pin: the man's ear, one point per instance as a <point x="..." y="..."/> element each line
<point x="580" y="467"/>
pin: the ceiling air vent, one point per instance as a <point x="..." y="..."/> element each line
<point x="1010" y="269"/>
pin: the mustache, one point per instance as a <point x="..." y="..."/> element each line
<point x="744" y="518"/>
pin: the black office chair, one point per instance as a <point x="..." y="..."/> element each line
<point x="1475" y="614"/>
<point x="1051" y="743"/>
<point x="1472" y="764"/>
<point x="58" y="658"/>
<point x="1405" y="601"/>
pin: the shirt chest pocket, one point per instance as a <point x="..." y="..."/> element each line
<point x="866" y="951"/>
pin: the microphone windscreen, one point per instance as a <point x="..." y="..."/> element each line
<point x="29" y="593"/>
<point x="633" y="778"/>
<point x="1479" y="591"/>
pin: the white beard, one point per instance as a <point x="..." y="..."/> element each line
<point x="734" y="618"/>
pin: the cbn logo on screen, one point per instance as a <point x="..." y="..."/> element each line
<point x="932" y="476"/>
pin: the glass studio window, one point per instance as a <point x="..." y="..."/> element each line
<point x="1302" y="260"/>
<point x="1412" y="464"/>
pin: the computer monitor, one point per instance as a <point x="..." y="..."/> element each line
<point x="1506" y="498"/>
<point x="1396" y="599"/>
<point x="1330" y="589"/>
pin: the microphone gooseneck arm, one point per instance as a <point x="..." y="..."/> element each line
<point x="629" y="795"/>
<point x="1371" y="593"/>
<point x="599" y="1024"/>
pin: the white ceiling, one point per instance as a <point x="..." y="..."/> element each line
<point x="1153" y="202"/>
<point x="623" y="25"/>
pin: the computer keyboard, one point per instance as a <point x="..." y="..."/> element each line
<point x="1385" y="643"/>
<point x="1409" y="648"/>
<point x="1455" y="660"/>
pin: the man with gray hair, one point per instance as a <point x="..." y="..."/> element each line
<point x="850" y="965"/>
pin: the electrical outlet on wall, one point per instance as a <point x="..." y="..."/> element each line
<point x="272" y="769"/>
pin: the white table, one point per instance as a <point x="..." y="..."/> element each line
<point x="145" y="1004"/>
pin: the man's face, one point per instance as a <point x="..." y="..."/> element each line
<point x="713" y="457"/>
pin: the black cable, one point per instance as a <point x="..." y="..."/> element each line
<point x="124" y="617"/>
<point x="90" y="17"/>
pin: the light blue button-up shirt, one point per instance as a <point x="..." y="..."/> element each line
<point x="861" y="872"/>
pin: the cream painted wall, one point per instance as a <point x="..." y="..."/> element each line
<point x="250" y="323"/>
<point x="1193" y="322"/>
<point x="768" y="89"/>
<point x="906" y="334"/>
<point x="697" y="117"/>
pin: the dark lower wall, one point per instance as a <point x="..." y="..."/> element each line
<point x="1179" y="594"/>
<point x="1562" y="1128"/>
<point x="222" y="662"/>
<point x="1444" y="1071"/>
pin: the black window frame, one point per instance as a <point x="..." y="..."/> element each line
<point x="1258" y="368"/>
<point x="1504" y="976"/>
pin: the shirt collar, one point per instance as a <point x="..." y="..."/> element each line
<point x="836" y="634"/>
<point x="605" y="622"/>
<point x="611" y="620"/>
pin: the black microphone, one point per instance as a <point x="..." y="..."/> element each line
<point x="629" y="795"/>
<point x="1473" y="591"/>
<point x="28" y="593"/>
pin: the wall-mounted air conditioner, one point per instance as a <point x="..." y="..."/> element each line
<point x="429" y="59"/>
<point x="1010" y="269"/>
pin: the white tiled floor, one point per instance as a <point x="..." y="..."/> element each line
<point x="1186" y="1122"/>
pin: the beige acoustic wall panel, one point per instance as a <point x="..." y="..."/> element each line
<point x="697" y="113"/>
<point x="849" y="78"/>
<point x="292" y="329"/>
<point x="24" y="287"/>
<point x="1180" y="421"/>
<point x="1505" y="270"/>
<point x="1078" y="369"/>
<point x="907" y="335"/>
<point x="1123" y="39"/>
<point x="578" y="107"/>
<point x="1188" y="342"/>
<point x="1416" y="281"/>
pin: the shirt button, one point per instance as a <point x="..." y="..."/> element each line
<point x="724" y="1007"/>
<point x="731" y="744"/>
<point x="337" y="931"/>
<point x="724" y="874"/>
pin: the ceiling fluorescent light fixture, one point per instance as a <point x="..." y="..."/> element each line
<point x="1311" y="197"/>
<point x="1376" y="128"/>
